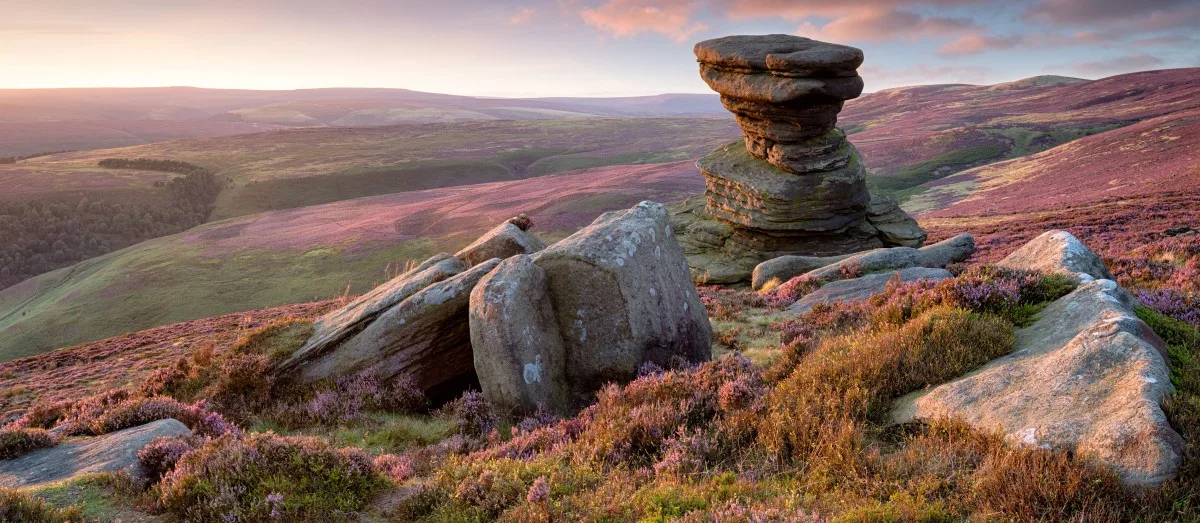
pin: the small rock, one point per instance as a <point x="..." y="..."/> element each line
<point x="875" y="260"/>
<point x="785" y="268"/>
<point x="949" y="251"/>
<point x="895" y="226"/>
<point x="1058" y="252"/>
<point x="1180" y="231"/>
<point x="109" y="452"/>
<point x="503" y="241"/>
<point x="862" y="288"/>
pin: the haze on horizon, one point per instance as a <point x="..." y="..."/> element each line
<point x="566" y="47"/>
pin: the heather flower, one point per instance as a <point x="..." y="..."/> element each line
<point x="399" y="468"/>
<point x="473" y="415"/>
<point x="539" y="491"/>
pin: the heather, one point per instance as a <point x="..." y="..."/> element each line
<point x="18" y="442"/>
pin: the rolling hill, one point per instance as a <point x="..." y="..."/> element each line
<point x="39" y="120"/>
<point x="288" y="233"/>
<point x="305" y="254"/>
<point x="912" y="135"/>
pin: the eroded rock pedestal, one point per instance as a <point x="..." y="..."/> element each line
<point x="795" y="184"/>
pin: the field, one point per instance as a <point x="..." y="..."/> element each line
<point x="305" y="254"/>
<point x="301" y="167"/>
<point x="317" y="212"/>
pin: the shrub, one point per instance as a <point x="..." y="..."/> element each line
<point x="161" y="455"/>
<point x="473" y="415"/>
<point x="139" y="411"/>
<point x="18" y="442"/>
<point x="791" y="291"/>
<point x="19" y="506"/>
<point x="851" y="379"/>
<point x="349" y="399"/>
<point x="266" y="476"/>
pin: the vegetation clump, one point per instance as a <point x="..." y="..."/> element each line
<point x="17" y="442"/>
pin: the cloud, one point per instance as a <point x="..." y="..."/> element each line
<point x="1119" y="64"/>
<point x="979" y="42"/>
<point x="631" y="17"/>
<point x="51" y="29"/>
<point x="882" y="78"/>
<point x="1121" y="11"/>
<point x="879" y="25"/>
<point x="525" y="15"/>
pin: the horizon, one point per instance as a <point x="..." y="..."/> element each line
<point x="567" y="48"/>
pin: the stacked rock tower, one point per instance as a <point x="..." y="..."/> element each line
<point x="795" y="184"/>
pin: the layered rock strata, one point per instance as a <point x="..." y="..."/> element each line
<point x="795" y="184"/>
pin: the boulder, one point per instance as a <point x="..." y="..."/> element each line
<point x="518" y="348"/>
<point x="503" y="241"/>
<point x="623" y="296"/>
<point x="864" y="287"/>
<point x="896" y="227"/>
<point x="785" y="268"/>
<point x="1058" y="252"/>
<point x="426" y="336"/>
<point x="337" y="325"/>
<point x="109" y="452"/>
<point x="949" y="251"/>
<point x="1088" y="377"/>
<point x="875" y="260"/>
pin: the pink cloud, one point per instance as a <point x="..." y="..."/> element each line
<point x="631" y="17"/>
<point x="525" y="15"/>
<point x="878" y="25"/>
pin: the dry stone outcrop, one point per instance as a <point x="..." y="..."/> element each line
<point x="619" y="295"/>
<point x="1088" y="376"/>
<point x="830" y="268"/>
<point x="109" y="452"/>
<point x="795" y="184"/>
<point x="414" y="324"/>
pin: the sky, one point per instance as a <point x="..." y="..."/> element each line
<point x="567" y="47"/>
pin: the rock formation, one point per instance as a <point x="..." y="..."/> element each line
<point x="106" y="453"/>
<point x="414" y="324"/>
<point x="864" y="287"/>
<point x="795" y="184"/>
<point x="553" y="327"/>
<point x="1088" y="376"/>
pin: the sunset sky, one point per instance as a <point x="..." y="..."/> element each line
<point x="566" y="47"/>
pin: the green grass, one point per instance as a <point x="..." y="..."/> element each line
<point x="382" y="433"/>
<point x="164" y="281"/>
<point x="97" y="497"/>
<point x="903" y="182"/>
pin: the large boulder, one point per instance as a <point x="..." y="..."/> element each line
<point x="519" y="352"/>
<point x="109" y="452"/>
<point x="504" y="241"/>
<point x="426" y="336"/>
<point x="621" y="296"/>
<point x="339" y="324"/>
<point x="1058" y="252"/>
<point x="864" y="287"/>
<point x="1088" y="377"/>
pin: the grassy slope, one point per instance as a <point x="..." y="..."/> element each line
<point x="910" y="136"/>
<point x="304" y="254"/>
<point x="300" y="167"/>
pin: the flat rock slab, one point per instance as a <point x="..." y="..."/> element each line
<point x="1088" y="376"/>
<point x="110" y="452"/>
<point x="864" y="287"/>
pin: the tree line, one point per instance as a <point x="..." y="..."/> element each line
<point x="40" y="235"/>
<point x="15" y="159"/>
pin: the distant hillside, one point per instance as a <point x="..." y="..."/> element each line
<point x="912" y="135"/>
<point x="306" y="254"/>
<point x="56" y="119"/>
